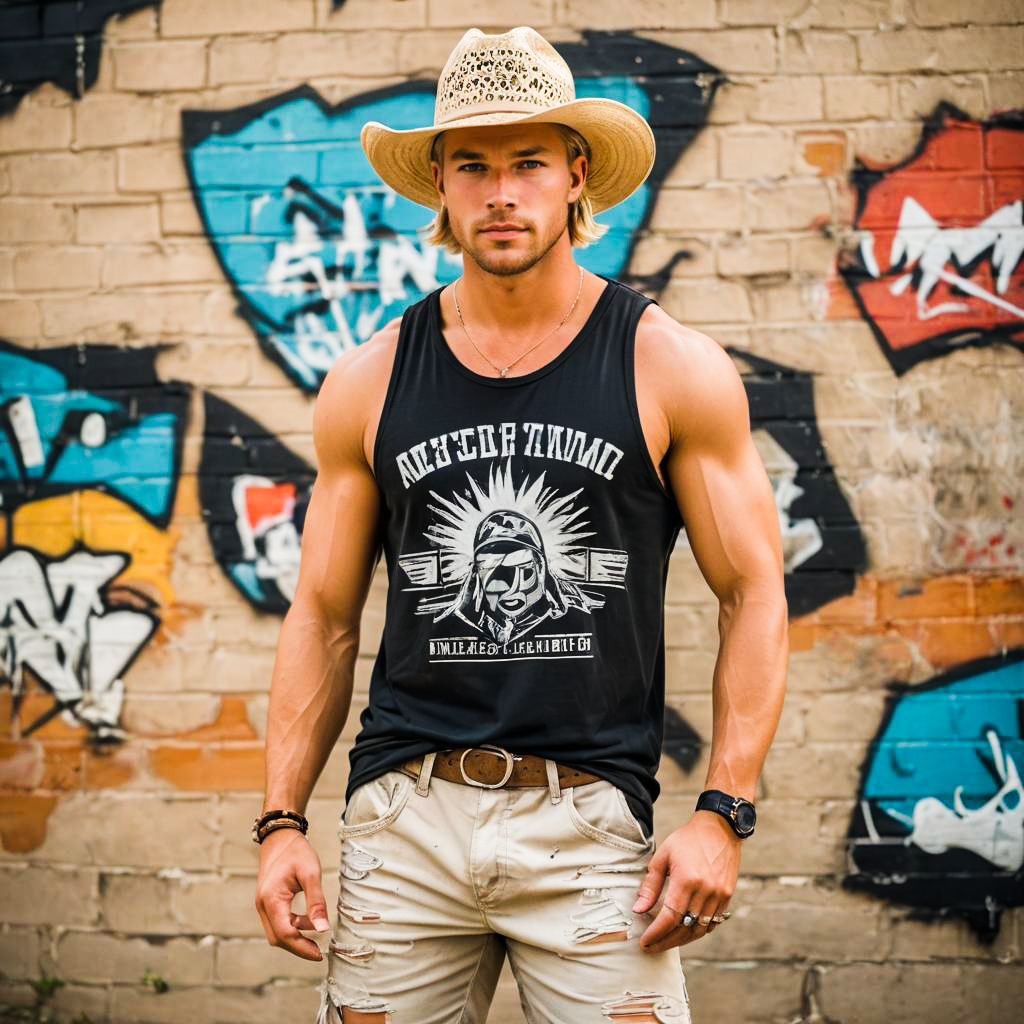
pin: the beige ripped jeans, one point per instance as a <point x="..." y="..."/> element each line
<point x="440" y="880"/>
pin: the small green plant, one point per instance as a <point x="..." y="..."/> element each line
<point x="39" y="1013"/>
<point x="46" y="986"/>
<point x="155" y="981"/>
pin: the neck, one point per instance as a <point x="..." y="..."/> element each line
<point x="517" y="305"/>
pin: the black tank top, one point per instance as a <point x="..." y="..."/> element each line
<point x="527" y="538"/>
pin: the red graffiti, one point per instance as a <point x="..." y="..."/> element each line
<point x="941" y="237"/>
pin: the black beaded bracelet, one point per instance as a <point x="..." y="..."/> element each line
<point x="271" y="820"/>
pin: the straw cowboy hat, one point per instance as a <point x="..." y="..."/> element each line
<point x="515" y="78"/>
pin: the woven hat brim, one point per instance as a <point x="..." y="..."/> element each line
<point x="621" y="148"/>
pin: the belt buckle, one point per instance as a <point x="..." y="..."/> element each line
<point x="510" y="760"/>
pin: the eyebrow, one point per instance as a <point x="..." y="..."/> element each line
<point x="472" y="154"/>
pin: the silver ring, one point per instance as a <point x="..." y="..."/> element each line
<point x="498" y="752"/>
<point x="689" y="920"/>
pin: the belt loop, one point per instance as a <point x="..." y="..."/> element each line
<point x="426" y="770"/>
<point x="553" y="787"/>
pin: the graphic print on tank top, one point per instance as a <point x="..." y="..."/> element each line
<point x="509" y="554"/>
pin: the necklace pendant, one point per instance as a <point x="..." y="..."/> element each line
<point x="504" y="372"/>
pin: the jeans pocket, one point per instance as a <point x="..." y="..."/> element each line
<point x="375" y="805"/>
<point x="599" y="811"/>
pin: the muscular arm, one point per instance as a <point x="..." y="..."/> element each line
<point x="311" y="687"/>
<point x="732" y="523"/>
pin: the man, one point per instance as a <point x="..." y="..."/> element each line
<point x="525" y="446"/>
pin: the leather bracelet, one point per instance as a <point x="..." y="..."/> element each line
<point x="278" y="819"/>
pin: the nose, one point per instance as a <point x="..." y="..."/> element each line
<point x="502" y="197"/>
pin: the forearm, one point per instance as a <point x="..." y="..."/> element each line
<point x="310" y="695"/>
<point x="749" y="686"/>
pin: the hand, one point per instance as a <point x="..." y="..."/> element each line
<point x="702" y="861"/>
<point x="289" y="865"/>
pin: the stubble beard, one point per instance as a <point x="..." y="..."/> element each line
<point x="503" y="267"/>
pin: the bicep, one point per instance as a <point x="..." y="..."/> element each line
<point x="723" y="490"/>
<point x="340" y="533"/>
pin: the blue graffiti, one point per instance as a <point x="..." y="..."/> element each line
<point x="940" y="820"/>
<point x="321" y="251"/>
<point x="60" y="431"/>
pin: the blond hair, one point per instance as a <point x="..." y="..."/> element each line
<point x="583" y="229"/>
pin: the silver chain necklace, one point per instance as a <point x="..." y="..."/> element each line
<point x="503" y="370"/>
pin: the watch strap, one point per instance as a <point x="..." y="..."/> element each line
<point x="723" y="804"/>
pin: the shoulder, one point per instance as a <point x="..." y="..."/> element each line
<point x="353" y="391"/>
<point x="690" y="375"/>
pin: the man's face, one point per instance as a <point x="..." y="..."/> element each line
<point x="513" y="581"/>
<point x="508" y="190"/>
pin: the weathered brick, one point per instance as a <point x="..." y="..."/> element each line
<point x="822" y="153"/>
<point x="998" y="596"/>
<point x="786" y="100"/>
<point x="752" y="153"/>
<point x="749" y="255"/>
<point x="813" y="254"/>
<point x="35" y="220"/>
<point x="49" y="174"/>
<point x="1005" y="89"/>
<point x="19" y="953"/>
<point x="809" y="52"/>
<point x="151" y="169"/>
<point x="125" y="222"/>
<point x="21" y="318"/>
<point x="39" y="895"/>
<point x="918" y="97"/>
<point x="179" y="216"/>
<point x="216" y="905"/>
<point x="198" y="18"/>
<point x="83" y="1001"/>
<point x="270" y="1004"/>
<point x="167" y="263"/>
<point x="928" y="599"/>
<point x="654" y="252"/>
<point x="855" y="97"/>
<point x="716" y="208"/>
<point x="964" y="12"/>
<point x="300" y="55"/>
<point x="235" y="59"/>
<point x="951" y="50"/>
<point x="707" y="301"/>
<point x="788" y="206"/>
<point x="139" y="904"/>
<point x="360" y="14"/>
<point x="820" y="13"/>
<point x="813" y="770"/>
<point x="740" y="992"/>
<point x="894" y="993"/>
<point x="730" y="50"/>
<point x="210" y="769"/>
<point x="34" y="127"/>
<point x="127" y="315"/>
<point x="101" y="957"/>
<point x="458" y="14"/>
<point x="698" y="164"/>
<point x="611" y="14"/>
<point x="255" y="962"/>
<point x="116" y="119"/>
<point x="56" y="267"/>
<point x="159" y="66"/>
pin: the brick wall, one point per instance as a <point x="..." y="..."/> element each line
<point x="157" y="377"/>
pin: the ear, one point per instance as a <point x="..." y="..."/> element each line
<point x="577" y="177"/>
<point x="435" y="169"/>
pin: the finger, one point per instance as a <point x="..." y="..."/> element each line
<point x="694" y="902"/>
<point x="651" y="886"/>
<point x="676" y="903"/>
<point x="722" y="908"/>
<point x="303" y="923"/>
<point x="316" y="905"/>
<point x="286" y="935"/>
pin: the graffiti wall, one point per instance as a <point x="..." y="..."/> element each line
<point x="190" y="236"/>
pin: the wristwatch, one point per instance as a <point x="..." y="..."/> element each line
<point x="738" y="812"/>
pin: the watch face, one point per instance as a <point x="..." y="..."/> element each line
<point x="746" y="817"/>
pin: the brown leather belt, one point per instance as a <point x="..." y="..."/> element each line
<point x="493" y="767"/>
